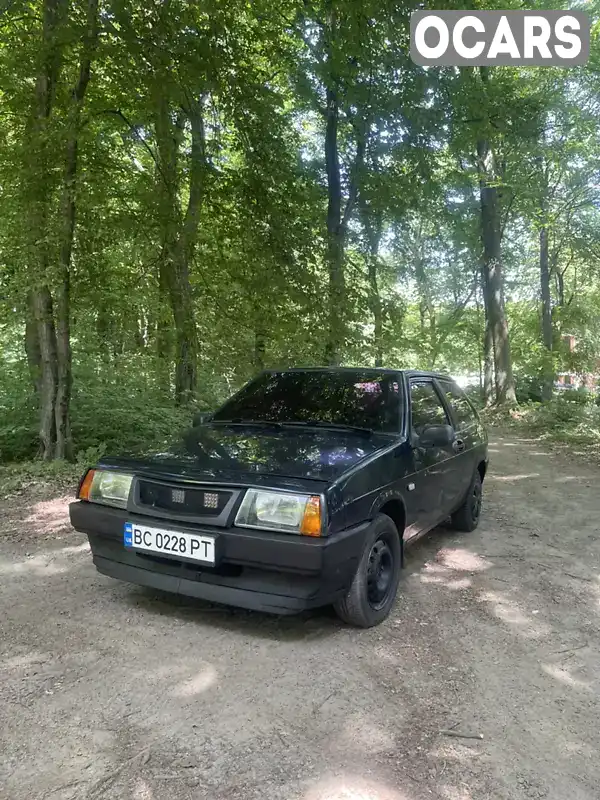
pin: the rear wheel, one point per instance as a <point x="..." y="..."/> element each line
<point x="375" y="584"/>
<point x="466" y="518"/>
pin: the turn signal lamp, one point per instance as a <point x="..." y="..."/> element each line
<point x="311" y="521"/>
<point x="86" y="485"/>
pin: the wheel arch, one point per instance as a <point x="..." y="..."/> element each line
<point x="392" y="505"/>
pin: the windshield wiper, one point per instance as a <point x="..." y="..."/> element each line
<point x="317" y="423"/>
<point x="241" y="421"/>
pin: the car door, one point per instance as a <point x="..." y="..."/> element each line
<point x="466" y="427"/>
<point x="431" y="501"/>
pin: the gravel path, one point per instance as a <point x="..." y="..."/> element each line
<point x="109" y="691"/>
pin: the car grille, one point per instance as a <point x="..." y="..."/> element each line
<point x="182" y="499"/>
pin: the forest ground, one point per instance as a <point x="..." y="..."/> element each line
<point x="110" y="691"/>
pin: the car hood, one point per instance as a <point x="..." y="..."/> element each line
<point x="235" y="453"/>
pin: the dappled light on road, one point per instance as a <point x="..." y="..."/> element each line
<point x="350" y="787"/>
<point x="595" y="587"/>
<point x="48" y="562"/>
<point x="455" y="584"/>
<point x="196" y="685"/>
<point x="366" y="736"/>
<point x="509" y="478"/>
<point x="451" y="793"/>
<point x="49" y="515"/>
<point x="450" y="561"/>
<point x="20" y="662"/>
<point x="564" y="675"/>
<point x="142" y="790"/>
<point x="463" y="560"/>
<point x="508" y="610"/>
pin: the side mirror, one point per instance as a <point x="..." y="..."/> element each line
<point x="201" y="417"/>
<point x="436" y="436"/>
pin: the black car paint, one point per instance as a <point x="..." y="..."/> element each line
<point x="356" y="475"/>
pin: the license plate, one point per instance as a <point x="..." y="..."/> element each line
<point x="189" y="546"/>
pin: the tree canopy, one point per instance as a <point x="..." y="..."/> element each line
<point x="192" y="192"/>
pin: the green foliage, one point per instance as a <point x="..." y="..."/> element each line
<point x="25" y="476"/>
<point x="258" y="270"/>
<point x="561" y="421"/>
<point x="120" y="414"/>
<point x="123" y="418"/>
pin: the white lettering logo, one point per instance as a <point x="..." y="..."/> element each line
<point x="503" y="38"/>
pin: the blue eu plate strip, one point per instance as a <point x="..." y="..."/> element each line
<point x="128" y="534"/>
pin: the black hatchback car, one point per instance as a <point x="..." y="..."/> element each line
<point x="300" y="491"/>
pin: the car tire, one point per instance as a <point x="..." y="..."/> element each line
<point x="466" y="518"/>
<point x="375" y="584"/>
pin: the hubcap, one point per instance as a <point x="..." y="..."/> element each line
<point x="380" y="569"/>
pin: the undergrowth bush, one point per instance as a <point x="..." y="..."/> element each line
<point x="563" y="419"/>
<point x="116" y="416"/>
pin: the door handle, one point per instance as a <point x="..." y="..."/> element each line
<point x="458" y="445"/>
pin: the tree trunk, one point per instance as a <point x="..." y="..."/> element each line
<point x="53" y="348"/>
<point x="179" y="236"/>
<point x="488" y="347"/>
<point x="42" y="304"/>
<point x="548" y="368"/>
<point x="493" y="277"/>
<point x="260" y="346"/>
<point x="488" y="365"/>
<point x="32" y="348"/>
<point x="103" y="337"/>
<point x="478" y="341"/>
<point x="68" y="213"/>
<point x="433" y="344"/>
<point x="40" y="184"/>
<point x="426" y="309"/>
<point x="372" y="224"/>
<point x="164" y="325"/>
<point x="186" y="377"/>
<point x="560" y="287"/>
<point x="335" y="235"/>
<point x="373" y="231"/>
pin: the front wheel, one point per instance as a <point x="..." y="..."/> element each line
<point x="375" y="584"/>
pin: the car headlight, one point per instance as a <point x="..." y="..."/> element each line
<point x="281" y="511"/>
<point x="110" y="488"/>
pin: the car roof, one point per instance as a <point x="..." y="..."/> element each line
<point x="418" y="373"/>
<point x="383" y="370"/>
<point x="410" y="373"/>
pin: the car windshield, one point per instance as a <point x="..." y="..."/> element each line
<point x="361" y="399"/>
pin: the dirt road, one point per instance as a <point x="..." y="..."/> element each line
<point x="109" y="691"/>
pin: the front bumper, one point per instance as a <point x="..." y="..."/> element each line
<point x="260" y="570"/>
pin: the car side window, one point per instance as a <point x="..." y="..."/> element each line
<point x="462" y="410"/>
<point x="426" y="407"/>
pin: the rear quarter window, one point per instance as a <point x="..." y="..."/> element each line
<point x="463" y="412"/>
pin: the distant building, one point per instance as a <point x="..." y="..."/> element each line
<point x="574" y="380"/>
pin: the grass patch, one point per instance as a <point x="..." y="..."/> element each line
<point x="56" y="476"/>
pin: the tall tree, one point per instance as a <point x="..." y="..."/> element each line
<point x="62" y="401"/>
<point x="490" y="179"/>
<point x="51" y="202"/>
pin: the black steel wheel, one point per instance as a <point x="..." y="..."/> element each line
<point x="375" y="585"/>
<point x="380" y="572"/>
